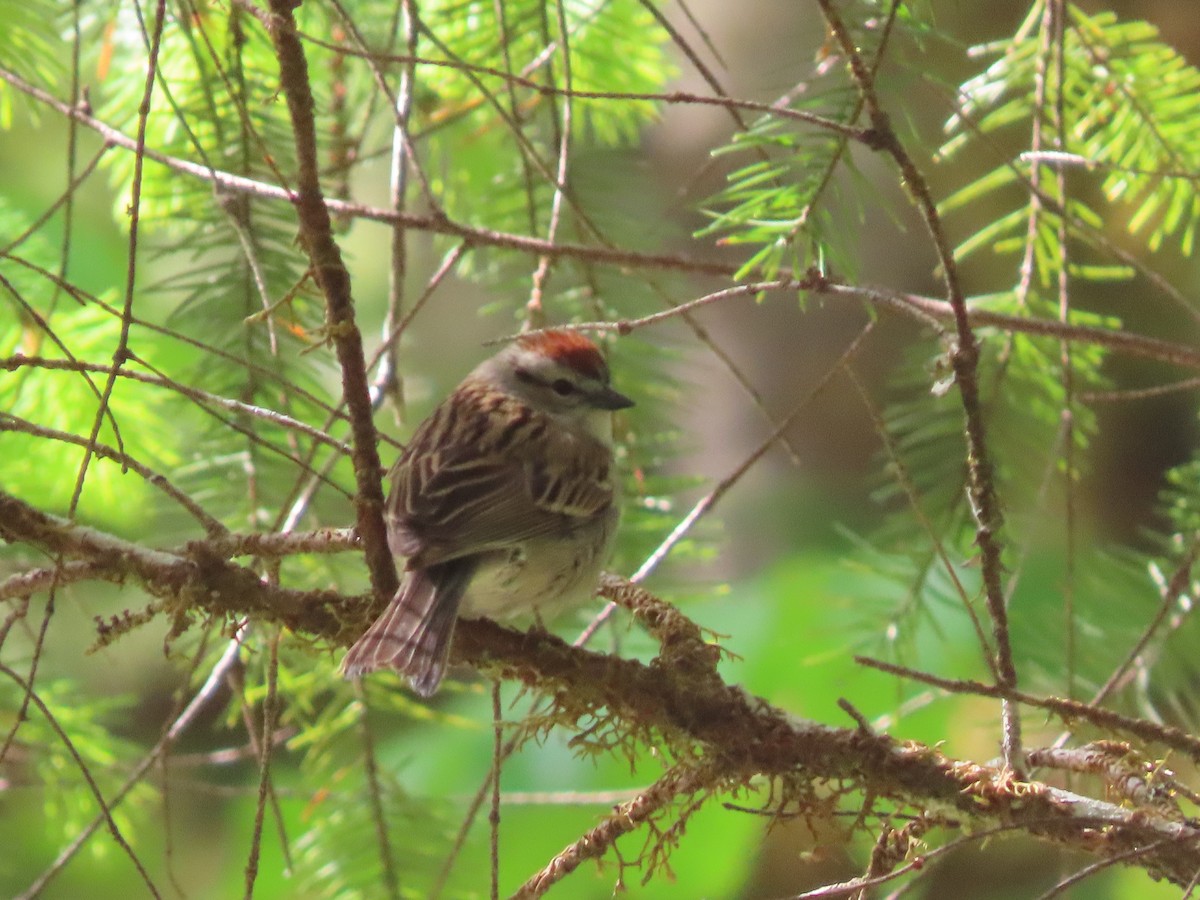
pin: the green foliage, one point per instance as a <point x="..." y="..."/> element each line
<point x="338" y="852"/>
<point x="62" y="778"/>
<point x="216" y="102"/>
<point x="1130" y="103"/>
<point x="793" y="187"/>
<point x="1023" y="394"/>
<point x="1180" y="499"/>
<point x="1122" y="93"/>
<point x="29" y="43"/>
<point x="493" y="136"/>
<point x="775" y="203"/>
<point x="53" y="324"/>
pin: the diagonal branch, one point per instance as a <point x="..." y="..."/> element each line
<point x="435" y="223"/>
<point x="316" y="230"/>
<point x="679" y="780"/>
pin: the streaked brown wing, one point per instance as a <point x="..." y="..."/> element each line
<point x="486" y="489"/>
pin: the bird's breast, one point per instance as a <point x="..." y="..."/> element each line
<point x="545" y="574"/>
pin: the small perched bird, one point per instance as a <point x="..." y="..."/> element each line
<point x="503" y="502"/>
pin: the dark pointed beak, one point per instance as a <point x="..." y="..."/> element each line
<point x="607" y="398"/>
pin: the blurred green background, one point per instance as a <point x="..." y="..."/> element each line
<point x="780" y="571"/>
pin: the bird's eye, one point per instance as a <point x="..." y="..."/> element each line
<point x="562" y="387"/>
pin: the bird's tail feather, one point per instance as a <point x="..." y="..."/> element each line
<point x="413" y="634"/>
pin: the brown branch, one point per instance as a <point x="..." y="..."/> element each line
<point x="24" y="584"/>
<point x="435" y="223"/>
<point x="316" y="229"/>
<point x="964" y="360"/>
<point x="680" y="640"/>
<point x="750" y="737"/>
<point x="1126" y="773"/>
<point x="742" y="736"/>
<point x="680" y="780"/>
<point x="195" y="579"/>
<point x="211" y="525"/>
<point x="1070" y="710"/>
<point x="928" y="309"/>
<point x="933" y="313"/>
<point x="271" y="546"/>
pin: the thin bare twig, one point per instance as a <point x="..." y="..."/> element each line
<point x="1099" y="866"/>
<point x="535" y="313"/>
<point x="857" y="885"/>
<point x="1057" y="23"/>
<point x="65" y="199"/>
<point x="106" y="807"/>
<point x="265" y="749"/>
<point x="964" y="360"/>
<point x="709" y="500"/>
<point x="932" y="313"/>
<point x="208" y="691"/>
<point x="498" y="757"/>
<point x="391" y="879"/>
<point x="1070" y="710"/>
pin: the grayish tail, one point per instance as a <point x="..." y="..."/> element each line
<point x="413" y="634"/>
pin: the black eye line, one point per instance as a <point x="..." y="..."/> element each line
<point x="561" y="386"/>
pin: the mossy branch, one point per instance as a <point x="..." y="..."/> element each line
<point x="676" y="699"/>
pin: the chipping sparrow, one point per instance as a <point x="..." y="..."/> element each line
<point x="503" y="502"/>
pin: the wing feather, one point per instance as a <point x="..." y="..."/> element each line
<point x="489" y="487"/>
